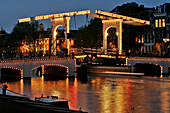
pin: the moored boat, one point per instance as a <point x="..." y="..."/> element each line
<point x="54" y="100"/>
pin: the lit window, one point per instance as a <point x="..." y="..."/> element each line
<point x="139" y="41"/>
<point x="160" y="23"/>
<point x="156" y="23"/>
<point x="163" y="22"/>
<point x="142" y="39"/>
<point x="136" y="39"/>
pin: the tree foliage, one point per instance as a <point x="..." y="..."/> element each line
<point x="23" y="31"/>
<point x="130" y="32"/>
<point x="133" y="9"/>
<point x="91" y="35"/>
<point x="158" y="48"/>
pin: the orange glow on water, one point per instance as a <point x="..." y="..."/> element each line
<point x="161" y="71"/>
<point x="161" y="76"/>
<point x="67" y="89"/>
<point x="75" y="82"/>
<point x="42" y="78"/>
<point x="22" y="86"/>
<point x="73" y="94"/>
<point x="102" y="94"/>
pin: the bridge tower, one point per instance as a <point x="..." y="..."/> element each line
<point x="60" y="19"/>
<point x="116" y="23"/>
<point x="64" y="21"/>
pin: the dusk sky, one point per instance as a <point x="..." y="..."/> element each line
<point x="12" y="10"/>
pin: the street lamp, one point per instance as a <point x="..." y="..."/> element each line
<point x="165" y="40"/>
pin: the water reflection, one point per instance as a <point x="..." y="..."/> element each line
<point x="103" y="94"/>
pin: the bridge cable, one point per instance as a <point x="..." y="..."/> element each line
<point x="75" y="21"/>
<point x="87" y="19"/>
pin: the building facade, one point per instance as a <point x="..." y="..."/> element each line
<point x="157" y="35"/>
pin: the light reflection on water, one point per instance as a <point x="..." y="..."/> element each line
<point x="103" y="94"/>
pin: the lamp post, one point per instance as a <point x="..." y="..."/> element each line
<point x="165" y="40"/>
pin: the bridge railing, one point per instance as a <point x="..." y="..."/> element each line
<point x="98" y="51"/>
<point x="33" y="59"/>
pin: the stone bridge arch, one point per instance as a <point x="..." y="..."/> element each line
<point x="12" y="69"/>
<point x="43" y="68"/>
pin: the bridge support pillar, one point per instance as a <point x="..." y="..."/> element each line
<point x="27" y="69"/>
<point x="165" y="67"/>
<point x="132" y="68"/>
<point x="72" y="67"/>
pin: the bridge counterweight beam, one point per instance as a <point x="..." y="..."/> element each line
<point x="51" y="16"/>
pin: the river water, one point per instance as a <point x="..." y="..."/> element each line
<point x="103" y="93"/>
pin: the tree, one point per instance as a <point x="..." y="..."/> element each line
<point x="23" y="31"/>
<point x="158" y="48"/>
<point x="91" y="35"/>
<point x="133" y="9"/>
<point x="130" y="32"/>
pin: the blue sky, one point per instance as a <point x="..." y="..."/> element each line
<point x="12" y="10"/>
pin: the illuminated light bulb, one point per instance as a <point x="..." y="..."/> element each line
<point x="117" y="33"/>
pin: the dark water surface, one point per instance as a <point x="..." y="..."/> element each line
<point x="103" y="94"/>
